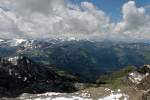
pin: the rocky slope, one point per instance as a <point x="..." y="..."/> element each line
<point x="134" y="86"/>
<point x="140" y="79"/>
<point x="22" y="75"/>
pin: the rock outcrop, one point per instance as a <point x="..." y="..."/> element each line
<point x="22" y="75"/>
<point x="140" y="79"/>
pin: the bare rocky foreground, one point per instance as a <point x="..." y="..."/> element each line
<point x="136" y="88"/>
<point x="23" y="79"/>
<point x="99" y="93"/>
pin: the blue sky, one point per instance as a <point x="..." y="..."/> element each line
<point x="113" y="7"/>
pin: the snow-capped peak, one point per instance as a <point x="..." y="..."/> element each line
<point x="16" y="42"/>
<point x="1" y="40"/>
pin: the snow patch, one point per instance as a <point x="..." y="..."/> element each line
<point x="25" y="78"/>
<point x="13" y="59"/>
<point x="56" y="96"/>
<point x="136" y="77"/>
<point x="148" y="66"/>
<point x="107" y="89"/>
<point x="10" y="72"/>
<point x="115" y="96"/>
<point x="1" y="40"/>
<point x="16" y="42"/>
<point x="61" y="98"/>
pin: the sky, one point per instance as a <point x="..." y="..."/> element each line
<point x="125" y="20"/>
<point x="113" y="7"/>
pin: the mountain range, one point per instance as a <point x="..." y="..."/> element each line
<point x="57" y="67"/>
<point x="86" y="59"/>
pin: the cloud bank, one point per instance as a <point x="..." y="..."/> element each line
<point x="135" y="23"/>
<point x="62" y="19"/>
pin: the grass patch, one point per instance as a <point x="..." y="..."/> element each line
<point x="115" y="79"/>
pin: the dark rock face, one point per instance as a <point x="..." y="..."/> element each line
<point x="27" y="76"/>
<point x="145" y="69"/>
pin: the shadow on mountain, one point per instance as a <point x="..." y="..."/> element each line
<point x="22" y="75"/>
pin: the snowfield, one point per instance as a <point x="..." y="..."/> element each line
<point x="56" y="96"/>
<point x="114" y="95"/>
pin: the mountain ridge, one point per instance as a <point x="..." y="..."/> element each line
<point x="81" y="57"/>
<point x="27" y="76"/>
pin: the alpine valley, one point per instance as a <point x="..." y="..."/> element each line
<point x="86" y="59"/>
<point x="79" y="69"/>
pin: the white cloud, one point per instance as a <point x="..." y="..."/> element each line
<point x="135" y="23"/>
<point x="8" y="27"/>
<point x="133" y="17"/>
<point x="47" y="18"/>
<point x="38" y="6"/>
<point x="88" y="6"/>
<point x="60" y="18"/>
